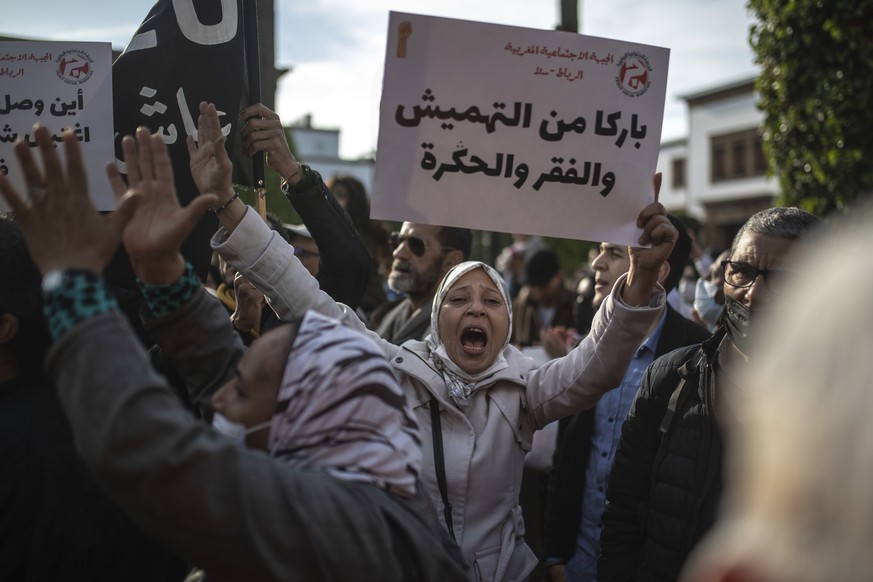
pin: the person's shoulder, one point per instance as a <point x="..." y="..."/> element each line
<point x="523" y="297"/>
<point x="664" y="373"/>
<point x="678" y="357"/>
<point x="382" y="310"/>
<point x="418" y="347"/>
<point x="677" y="324"/>
<point x="517" y="360"/>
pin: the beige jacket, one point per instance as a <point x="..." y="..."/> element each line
<point x="484" y="444"/>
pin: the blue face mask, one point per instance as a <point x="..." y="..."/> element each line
<point x="234" y="430"/>
<point x="708" y="309"/>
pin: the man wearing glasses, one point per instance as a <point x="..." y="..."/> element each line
<point x="423" y="254"/>
<point x="666" y="482"/>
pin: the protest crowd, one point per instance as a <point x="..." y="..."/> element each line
<point x="337" y="401"/>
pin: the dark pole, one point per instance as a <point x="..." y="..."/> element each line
<point x="570" y="15"/>
<point x="253" y="66"/>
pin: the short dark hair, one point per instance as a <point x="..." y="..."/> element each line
<point x="784" y="222"/>
<point x="21" y="296"/>
<point x="456" y="238"/>
<point x="679" y="256"/>
<point x="541" y="268"/>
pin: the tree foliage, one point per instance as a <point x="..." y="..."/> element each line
<point x="815" y="88"/>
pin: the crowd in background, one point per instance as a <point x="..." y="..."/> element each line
<point x="348" y="399"/>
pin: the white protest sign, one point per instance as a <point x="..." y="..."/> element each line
<point x="517" y="130"/>
<point x="59" y="85"/>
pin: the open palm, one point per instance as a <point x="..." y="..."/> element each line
<point x="210" y="166"/>
<point x="58" y="221"/>
<point x="160" y="224"/>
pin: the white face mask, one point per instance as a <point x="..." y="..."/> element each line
<point x="686" y="290"/>
<point x="708" y="309"/>
<point x="234" y="430"/>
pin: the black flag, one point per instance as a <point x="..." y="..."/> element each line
<point x="184" y="52"/>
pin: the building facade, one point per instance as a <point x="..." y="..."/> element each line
<point x="319" y="148"/>
<point x="718" y="173"/>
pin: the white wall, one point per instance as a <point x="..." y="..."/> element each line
<point x="319" y="148"/>
<point x="673" y="199"/>
<point x="735" y="113"/>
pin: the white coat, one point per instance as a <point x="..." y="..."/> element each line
<point x="485" y="443"/>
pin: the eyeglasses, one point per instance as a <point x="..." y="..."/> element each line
<point x="415" y="244"/>
<point x="302" y="254"/>
<point x="743" y="275"/>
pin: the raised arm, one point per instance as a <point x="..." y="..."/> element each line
<point x="211" y="169"/>
<point x="191" y="327"/>
<point x="245" y="241"/>
<point x="229" y="510"/>
<point x="79" y="237"/>
<point x="577" y="381"/>
<point x="344" y="268"/>
<point x="645" y="262"/>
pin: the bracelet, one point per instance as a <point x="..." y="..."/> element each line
<point x="306" y="182"/>
<point x="225" y="205"/>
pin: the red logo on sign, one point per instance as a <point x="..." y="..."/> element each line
<point x="74" y="66"/>
<point x="633" y="74"/>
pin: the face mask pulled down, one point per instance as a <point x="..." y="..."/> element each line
<point x="738" y="323"/>
<point x="233" y="430"/>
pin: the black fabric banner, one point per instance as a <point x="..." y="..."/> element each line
<point x="184" y="52"/>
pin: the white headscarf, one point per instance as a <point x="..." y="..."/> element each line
<point x="340" y="410"/>
<point x="460" y="384"/>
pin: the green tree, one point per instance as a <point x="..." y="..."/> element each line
<point x="815" y="87"/>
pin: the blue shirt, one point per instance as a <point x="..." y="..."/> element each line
<point x="609" y="415"/>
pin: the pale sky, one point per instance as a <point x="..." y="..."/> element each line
<point x="336" y="47"/>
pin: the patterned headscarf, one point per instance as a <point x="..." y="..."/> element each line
<point x="459" y="383"/>
<point x="341" y="410"/>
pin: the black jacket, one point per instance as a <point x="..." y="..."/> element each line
<point x="666" y="481"/>
<point x="570" y="462"/>
<point x="344" y="268"/>
<point x="55" y="521"/>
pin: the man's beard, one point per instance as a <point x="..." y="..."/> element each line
<point x="415" y="283"/>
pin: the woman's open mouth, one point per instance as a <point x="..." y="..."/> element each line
<point x="474" y="340"/>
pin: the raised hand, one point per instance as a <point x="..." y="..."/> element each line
<point x="658" y="232"/>
<point x="210" y="166"/>
<point x="60" y="225"/>
<point x="153" y="238"/>
<point x="263" y="132"/>
<point x="249" y="304"/>
<point x="646" y="263"/>
<point x="556" y="341"/>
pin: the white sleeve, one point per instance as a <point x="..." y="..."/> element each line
<point x="576" y="382"/>
<point x="263" y="257"/>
